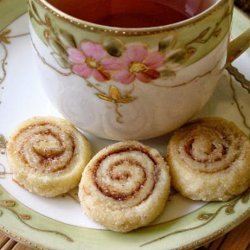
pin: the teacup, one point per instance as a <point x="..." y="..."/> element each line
<point x="130" y="83"/>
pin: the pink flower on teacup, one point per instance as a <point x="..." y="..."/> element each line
<point x="90" y="59"/>
<point x="138" y="63"/>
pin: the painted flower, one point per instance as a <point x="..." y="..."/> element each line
<point x="90" y="59"/>
<point x="139" y="63"/>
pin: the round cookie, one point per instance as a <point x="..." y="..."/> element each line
<point x="125" y="186"/>
<point x="209" y="160"/>
<point x="47" y="156"/>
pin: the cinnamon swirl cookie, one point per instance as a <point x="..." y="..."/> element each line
<point x="47" y="156"/>
<point x="209" y="160"/>
<point x="125" y="186"/>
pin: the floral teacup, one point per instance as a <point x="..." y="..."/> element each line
<point x="132" y="83"/>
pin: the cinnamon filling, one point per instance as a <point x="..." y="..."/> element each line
<point x="209" y="149"/>
<point x="48" y="149"/>
<point x="218" y="157"/>
<point x="125" y="175"/>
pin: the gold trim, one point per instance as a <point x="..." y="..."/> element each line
<point x="229" y="209"/>
<point x="119" y="115"/>
<point x="3" y="142"/>
<point x="24" y="216"/>
<point x="244" y="120"/>
<point x="5" y="39"/>
<point x="45" y="216"/>
<point x="176" y="219"/>
<point x="201" y="38"/>
<point x="9" y="204"/>
<point x="3" y="63"/>
<point x="113" y="96"/>
<point x="49" y="65"/>
<point x="128" y="31"/>
<point x="3" y="172"/>
<point x="239" y="77"/>
<point x="19" y="35"/>
<point x="4" y="36"/>
<point x="193" y="79"/>
<point x="217" y="233"/>
<point x="181" y="55"/>
<point x="244" y="198"/>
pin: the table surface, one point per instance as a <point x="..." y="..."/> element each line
<point x="237" y="239"/>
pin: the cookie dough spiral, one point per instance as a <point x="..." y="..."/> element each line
<point x="47" y="156"/>
<point x="209" y="160"/>
<point x="125" y="186"/>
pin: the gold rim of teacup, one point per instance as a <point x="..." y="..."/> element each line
<point x="130" y="31"/>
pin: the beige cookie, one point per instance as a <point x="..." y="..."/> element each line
<point x="125" y="186"/>
<point x="209" y="160"/>
<point x="47" y="156"/>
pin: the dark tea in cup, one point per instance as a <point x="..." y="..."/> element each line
<point x="132" y="13"/>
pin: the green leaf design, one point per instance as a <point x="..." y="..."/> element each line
<point x="217" y="32"/>
<point x="167" y="73"/>
<point x="204" y="33"/>
<point x="66" y="39"/>
<point x="57" y="47"/>
<point x="34" y="13"/>
<point x="47" y="22"/>
<point x="114" y="46"/>
<point x="166" y="43"/>
<point x="61" y="61"/>
<point x="178" y="57"/>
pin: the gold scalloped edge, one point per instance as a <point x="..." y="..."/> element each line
<point x="132" y="31"/>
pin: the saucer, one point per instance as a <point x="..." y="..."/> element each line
<point x="59" y="222"/>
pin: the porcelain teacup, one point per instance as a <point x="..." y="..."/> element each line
<point x="130" y="83"/>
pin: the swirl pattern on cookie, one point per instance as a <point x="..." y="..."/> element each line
<point x="47" y="155"/>
<point x="209" y="160"/>
<point x="125" y="186"/>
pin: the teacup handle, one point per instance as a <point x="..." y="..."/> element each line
<point x="237" y="46"/>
